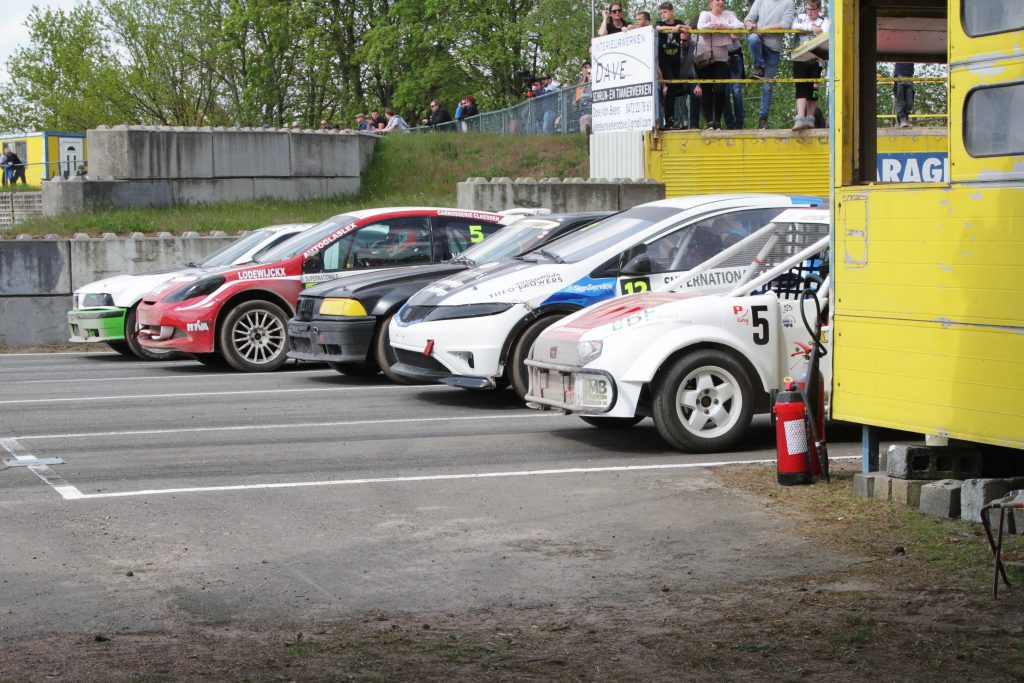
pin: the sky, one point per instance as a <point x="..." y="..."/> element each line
<point x="12" y="20"/>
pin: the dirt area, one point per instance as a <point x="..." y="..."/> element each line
<point x="918" y="608"/>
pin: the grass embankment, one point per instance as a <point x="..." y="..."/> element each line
<point x="405" y="170"/>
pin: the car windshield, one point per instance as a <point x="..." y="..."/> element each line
<point x="234" y="251"/>
<point x="518" y="238"/>
<point x="304" y="240"/>
<point x="595" y="238"/>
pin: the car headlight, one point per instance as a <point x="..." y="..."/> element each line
<point x="593" y="391"/>
<point x="589" y="350"/>
<point x="465" y="311"/>
<point x="201" y="287"/>
<point x="348" y="307"/>
<point x="97" y="300"/>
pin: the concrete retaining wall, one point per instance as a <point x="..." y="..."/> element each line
<point x="37" y="277"/>
<point x="571" y="194"/>
<point x="139" y="166"/>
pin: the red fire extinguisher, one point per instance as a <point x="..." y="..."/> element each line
<point x="793" y="460"/>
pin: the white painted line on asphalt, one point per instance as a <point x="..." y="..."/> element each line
<point x="66" y="490"/>
<point x="435" y="477"/>
<point x="287" y="425"/>
<point x="191" y="378"/>
<point x="147" y="397"/>
<point x="7" y="356"/>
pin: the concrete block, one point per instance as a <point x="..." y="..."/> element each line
<point x="289" y="189"/>
<point x="933" y="462"/>
<point x="93" y="260"/>
<point x="34" y="320"/>
<point x="634" y="194"/>
<point x="319" y="154"/>
<point x="864" y="485"/>
<point x="883" y="487"/>
<point x="195" y="191"/>
<point x="339" y="187"/>
<point x="34" y="267"/>
<point x="256" y="154"/>
<point x="906" y="492"/>
<point x="977" y="493"/>
<point x="941" y="498"/>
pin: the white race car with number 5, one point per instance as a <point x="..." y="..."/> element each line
<point x="699" y="363"/>
<point x="474" y="330"/>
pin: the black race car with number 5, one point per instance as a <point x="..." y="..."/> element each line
<point x="345" y="322"/>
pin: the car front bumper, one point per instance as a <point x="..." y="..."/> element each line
<point x="96" y="324"/>
<point x="336" y="341"/>
<point x="580" y="390"/>
<point x="165" y="326"/>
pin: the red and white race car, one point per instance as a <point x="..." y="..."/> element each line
<point x="239" y="314"/>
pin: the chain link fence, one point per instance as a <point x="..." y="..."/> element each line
<point x="557" y="113"/>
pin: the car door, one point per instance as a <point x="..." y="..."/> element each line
<point x="651" y="265"/>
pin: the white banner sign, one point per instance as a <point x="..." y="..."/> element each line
<point x="624" y="80"/>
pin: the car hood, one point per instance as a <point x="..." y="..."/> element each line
<point x="515" y="281"/>
<point x="126" y="290"/>
<point x="358" y="283"/>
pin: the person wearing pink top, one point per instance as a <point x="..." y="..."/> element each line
<point x="716" y="17"/>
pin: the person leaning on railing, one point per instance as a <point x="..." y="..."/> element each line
<point x="815" y="24"/>
<point x="717" y="45"/>
<point x="766" y="50"/>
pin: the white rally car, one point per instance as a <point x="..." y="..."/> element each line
<point x="474" y="330"/>
<point x="104" y="310"/>
<point x="699" y="362"/>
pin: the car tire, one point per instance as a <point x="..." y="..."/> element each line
<point x="385" y="355"/>
<point x="354" y="369"/>
<point x="703" y="402"/>
<point x="137" y="349"/>
<point x="254" y="337"/>
<point x="611" y="422"/>
<point x="516" y="366"/>
<point x="122" y="348"/>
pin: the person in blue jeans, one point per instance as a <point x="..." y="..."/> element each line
<point x="766" y="50"/>
<point x="734" y="92"/>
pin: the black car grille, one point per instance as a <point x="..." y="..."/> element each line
<point x="418" y="360"/>
<point x="304" y="309"/>
<point x="411" y="314"/>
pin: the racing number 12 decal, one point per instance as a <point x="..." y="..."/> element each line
<point x="760" y="335"/>
<point x="636" y="285"/>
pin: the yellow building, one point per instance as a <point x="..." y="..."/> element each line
<point x="48" y="154"/>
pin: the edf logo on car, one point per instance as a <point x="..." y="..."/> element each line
<point x="908" y="167"/>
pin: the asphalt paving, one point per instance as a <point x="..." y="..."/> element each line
<point x="187" y="495"/>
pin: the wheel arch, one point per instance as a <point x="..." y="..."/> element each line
<point x="527" y="320"/>
<point x="241" y="298"/>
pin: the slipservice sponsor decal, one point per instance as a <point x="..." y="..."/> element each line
<point x="592" y="287"/>
<point x="261" y="273"/>
<point x="197" y="326"/>
<point x="472" y="215"/>
<point x="328" y="240"/>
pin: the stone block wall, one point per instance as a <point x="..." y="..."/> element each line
<point x="571" y="194"/>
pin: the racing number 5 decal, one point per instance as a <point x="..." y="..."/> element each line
<point x="636" y="285"/>
<point x="760" y="335"/>
<point x="476" y="233"/>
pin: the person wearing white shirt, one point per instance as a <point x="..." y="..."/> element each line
<point x="814" y="24"/>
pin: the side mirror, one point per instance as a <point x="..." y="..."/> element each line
<point x="638" y="265"/>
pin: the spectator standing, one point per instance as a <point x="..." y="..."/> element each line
<point x="362" y="123"/>
<point x="325" y="124"/>
<point x="467" y="110"/>
<point x="3" y="167"/>
<point x="16" y="166"/>
<point x="548" y="102"/>
<point x="903" y="93"/>
<point x="691" y="92"/>
<point x="766" y="50"/>
<point x="377" y="122"/>
<point x="716" y="17"/>
<point x="642" y="19"/>
<point x="395" y="122"/>
<point x="584" y="99"/>
<point x="613" y="20"/>
<point x="734" y="92"/>
<point x="670" y="61"/>
<point x="438" y="115"/>
<point x="809" y="20"/>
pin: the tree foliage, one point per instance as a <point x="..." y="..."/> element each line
<point x="250" y="62"/>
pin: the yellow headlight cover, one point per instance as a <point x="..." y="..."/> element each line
<point x="349" y="307"/>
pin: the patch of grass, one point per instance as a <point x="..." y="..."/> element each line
<point x="19" y="188"/>
<point x="406" y="170"/>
